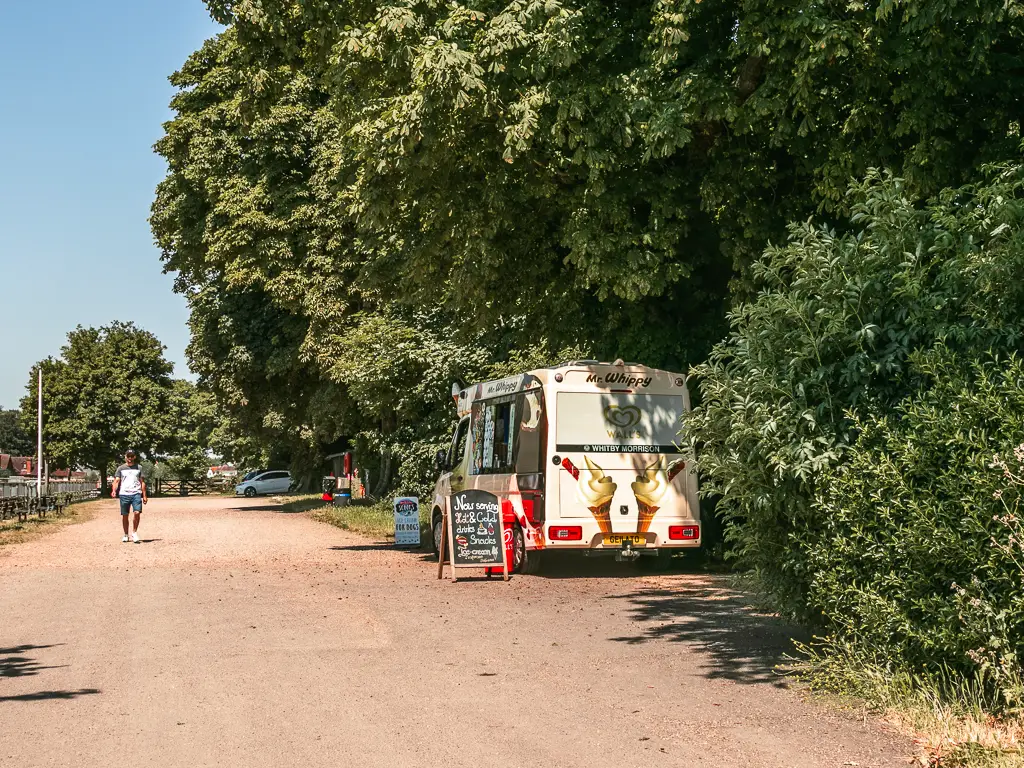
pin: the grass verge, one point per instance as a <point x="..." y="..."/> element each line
<point x="14" y="532"/>
<point x="948" y="715"/>
<point x="360" y="516"/>
<point x="303" y="503"/>
<point x="951" y="718"/>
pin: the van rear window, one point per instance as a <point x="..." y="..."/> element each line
<point x="606" y="422"/>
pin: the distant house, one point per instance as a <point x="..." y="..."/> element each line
<point x="19" y="466"/>
<point x="68" y="475"/>
<point x="225" y="470"/>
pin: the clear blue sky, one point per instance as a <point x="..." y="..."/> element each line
<point x="84" y="95"/>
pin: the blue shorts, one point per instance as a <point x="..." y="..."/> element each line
<point x="128" y="503"/>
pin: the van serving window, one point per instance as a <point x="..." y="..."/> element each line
<point x="494" y="426"/>
<point x="532" y="429"/>
<point x="508" y="434"/>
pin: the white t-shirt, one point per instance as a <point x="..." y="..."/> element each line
<point x="131" y="478"/>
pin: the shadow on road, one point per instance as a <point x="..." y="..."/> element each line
<point x="266" y="508"/>
<point x="566" y="565"/>
<point x="14" y="662"/>
<point x="366" y="548"/>
<point x="742" y="646"/>
<point x="575" y="565"/>
<point x="47" y="695"/>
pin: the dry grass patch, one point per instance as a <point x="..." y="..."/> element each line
<point x="14" y="532"/>
<point x="962" y="741"/>
<point x="949" y="716"/>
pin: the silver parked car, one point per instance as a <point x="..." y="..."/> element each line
<point x="263" y="483"/>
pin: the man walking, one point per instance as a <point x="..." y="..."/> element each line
<point x="130" y="488"/>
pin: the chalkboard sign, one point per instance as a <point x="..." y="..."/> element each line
<point x="475" y="531"/>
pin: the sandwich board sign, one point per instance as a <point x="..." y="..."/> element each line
<point x="475" y="532"/>
<point x="407" y="522"/>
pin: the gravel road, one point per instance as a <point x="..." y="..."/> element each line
<point x="239" y="635"/>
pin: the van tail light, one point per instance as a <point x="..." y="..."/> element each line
<point x="565" y="533"/>
<point x="684" y="532"/>
<point x="571" y="468"/>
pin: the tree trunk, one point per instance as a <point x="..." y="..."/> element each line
<point x="103" y="479"/>
<point x="385" y="476"/>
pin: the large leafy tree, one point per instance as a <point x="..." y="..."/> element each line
<point x="110" y="389"/>
<point x="621" y="147"/>
<point x="299" y="348"/>
<point x="284" y="283"/>
<point x="531" y="174"/>
<point x="14" y="439"/>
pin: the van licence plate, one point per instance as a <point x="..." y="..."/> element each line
<point x="620" y="539"/>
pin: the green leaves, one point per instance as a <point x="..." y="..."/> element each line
<point x="490" y="175"/>
<point x="110" y="390"/>
<point x="829" y="339"/>
<point x="15" y="439"/>
<point x="350" y="234"/>
<point x="918" y="526"/>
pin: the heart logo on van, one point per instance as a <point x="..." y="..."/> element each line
<point x="622" y="416"/>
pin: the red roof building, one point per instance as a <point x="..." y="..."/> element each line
<point x="20" y="466"/>
<point x="65" y="474"/>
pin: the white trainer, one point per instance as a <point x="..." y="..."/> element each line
<point x="125" y="539"/>
<point x="135" y="538"/>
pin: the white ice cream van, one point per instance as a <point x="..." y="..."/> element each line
<point x="584" y="456"/>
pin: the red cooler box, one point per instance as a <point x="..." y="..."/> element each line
<point x="508" y="517"/>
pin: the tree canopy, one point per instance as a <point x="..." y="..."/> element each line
<point x="14" y="439"/>
<point x="617" y="147"/>
<point x="109" y="390"/>
<point x="532" y="176"/>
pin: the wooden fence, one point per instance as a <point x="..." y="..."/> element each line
<point x="22" y="487"/>
<point x="201" y="487"/>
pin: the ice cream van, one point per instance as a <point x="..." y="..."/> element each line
<point x="584" y="456"/>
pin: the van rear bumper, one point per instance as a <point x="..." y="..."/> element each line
<point x="595" y="541"/>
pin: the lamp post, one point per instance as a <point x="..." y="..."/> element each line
<point x="39" y="439"/>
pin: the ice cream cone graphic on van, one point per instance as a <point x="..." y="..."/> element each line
<point x="596" y="490"/>
<point x="649" y="489"/>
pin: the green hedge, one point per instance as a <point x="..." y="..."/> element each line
<point x="848" y="420"/>
<point x="920" y="548"/>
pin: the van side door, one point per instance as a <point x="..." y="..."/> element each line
<point x="457" y="460"/>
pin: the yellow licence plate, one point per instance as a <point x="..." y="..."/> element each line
<point x="618" y="539"/>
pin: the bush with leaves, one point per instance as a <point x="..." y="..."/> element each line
<point x="918" y="554"/>
<point x="826" y="347"/>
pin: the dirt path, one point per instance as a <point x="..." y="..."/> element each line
<point x="236" y="635"/>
